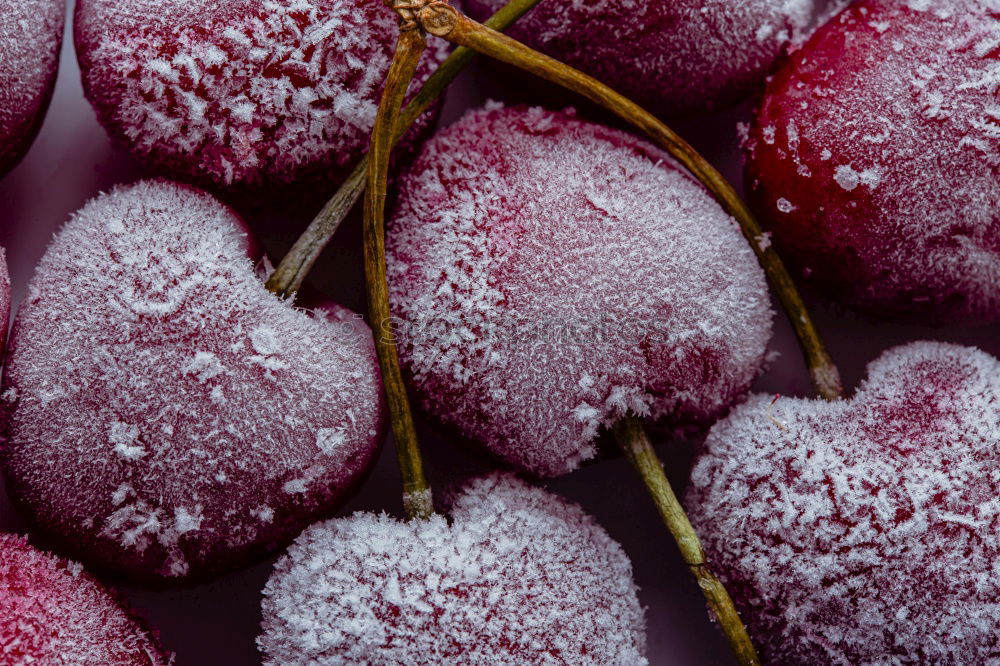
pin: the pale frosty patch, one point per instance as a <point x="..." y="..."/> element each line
<point x="329" y="439"/>
<point x="846" y="177"/>
<point x="482" y="589"/>
<point x="869" y="525"/>
<point x="205" y="366"/>
<point x="784" y="205"/>
<point x="124" y="437"/>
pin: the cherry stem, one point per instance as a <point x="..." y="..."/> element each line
<point x="417" y="498"/>
<point x="445" y="21"/>
<point x="635" y="443"/>
<point x="287" y="278"/>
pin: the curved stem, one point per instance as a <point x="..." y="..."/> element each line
<point x="635" y="443"/>
<point x="417" y="499"/>
<point x="441" y="19"/>
<point x="288" y="276"/>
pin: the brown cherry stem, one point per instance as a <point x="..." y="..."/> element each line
<point x="288" y="276"/>
<point x="443" y="20"/>
<point x="635" y="443"/>
<point x="417" y="499"/>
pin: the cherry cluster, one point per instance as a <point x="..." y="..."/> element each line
<point x="168" y="417"/>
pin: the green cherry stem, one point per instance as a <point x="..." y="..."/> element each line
<point x="417" y="499"/>
<point x="635" y="443"/>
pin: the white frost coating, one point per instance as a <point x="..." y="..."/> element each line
<point x="784" y="205"/>
<point x="846" y="177"/>
<point x="244" y="92"/>
<point x="519" y="577"/>
<point x="148" y="435"/>
<point x="866" y="531"/>
<point x="530" y="249"/>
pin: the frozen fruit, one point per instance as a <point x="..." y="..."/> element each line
<point x="668" y="55"/>
<point x="54" y="613"/>
<point x="237" y="93"/>
<point x="864" y="531"/>
<point x="518" y="576"/>
<point x="168" y="417"/>
<point x="30" y="37"/>
<point x="549" y="275"/>
<point x="875" y="158"/>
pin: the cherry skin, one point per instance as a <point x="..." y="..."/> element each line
<point x="875" y="160"/>
<point x="168" y="418"/>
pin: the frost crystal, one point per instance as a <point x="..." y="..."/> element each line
<point x="518" y="577"/>
<point x="550" y="275"/>
<point x="240" y="92"/>
<point x="669" y="55"/>
<point x="51" y="612"/>
<point x="145" y="432"/>
<point x="864" y="531"/>
<point x="884" y="129"/>
<point x="30" y="36"/>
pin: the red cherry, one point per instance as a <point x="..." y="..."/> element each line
<point x="670" y="56"/>
<point x="864" y="531"/>
<point x="170" y="418"/>
<point x="483" y="588"/>
<point x="875" y="159"/>
<point x="551" y="275"/>
<point x="239" y="93"/>
<point x="53" y="612"/>
<point x="30" y="38"/>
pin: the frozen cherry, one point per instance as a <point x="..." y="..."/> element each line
<point x="519" y="576"/>
<point x="239" y="93"/>
<point x="550" y="275"/>
<point x="168" y="416"/>
<point x="30" y="37"/>
<point x="670" y="56"/>
<point x="864" y="531"/>
<point x="875" y="159"/>
<point x="53" y="612"/>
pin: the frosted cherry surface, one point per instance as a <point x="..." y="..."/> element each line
<point x="483" y="589"/>
<point x="550" y="275"/>
<point x="668" y="55"/>
<point x="875" y="158"/>
<point x="239" y="92"/>
<point x="865" y="530"/>
<point x="30" y="37"/>
<point x="54" y="613"/>
<point x="168" y="416"/>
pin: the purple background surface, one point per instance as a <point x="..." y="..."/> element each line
<point x="73" y="160"/>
